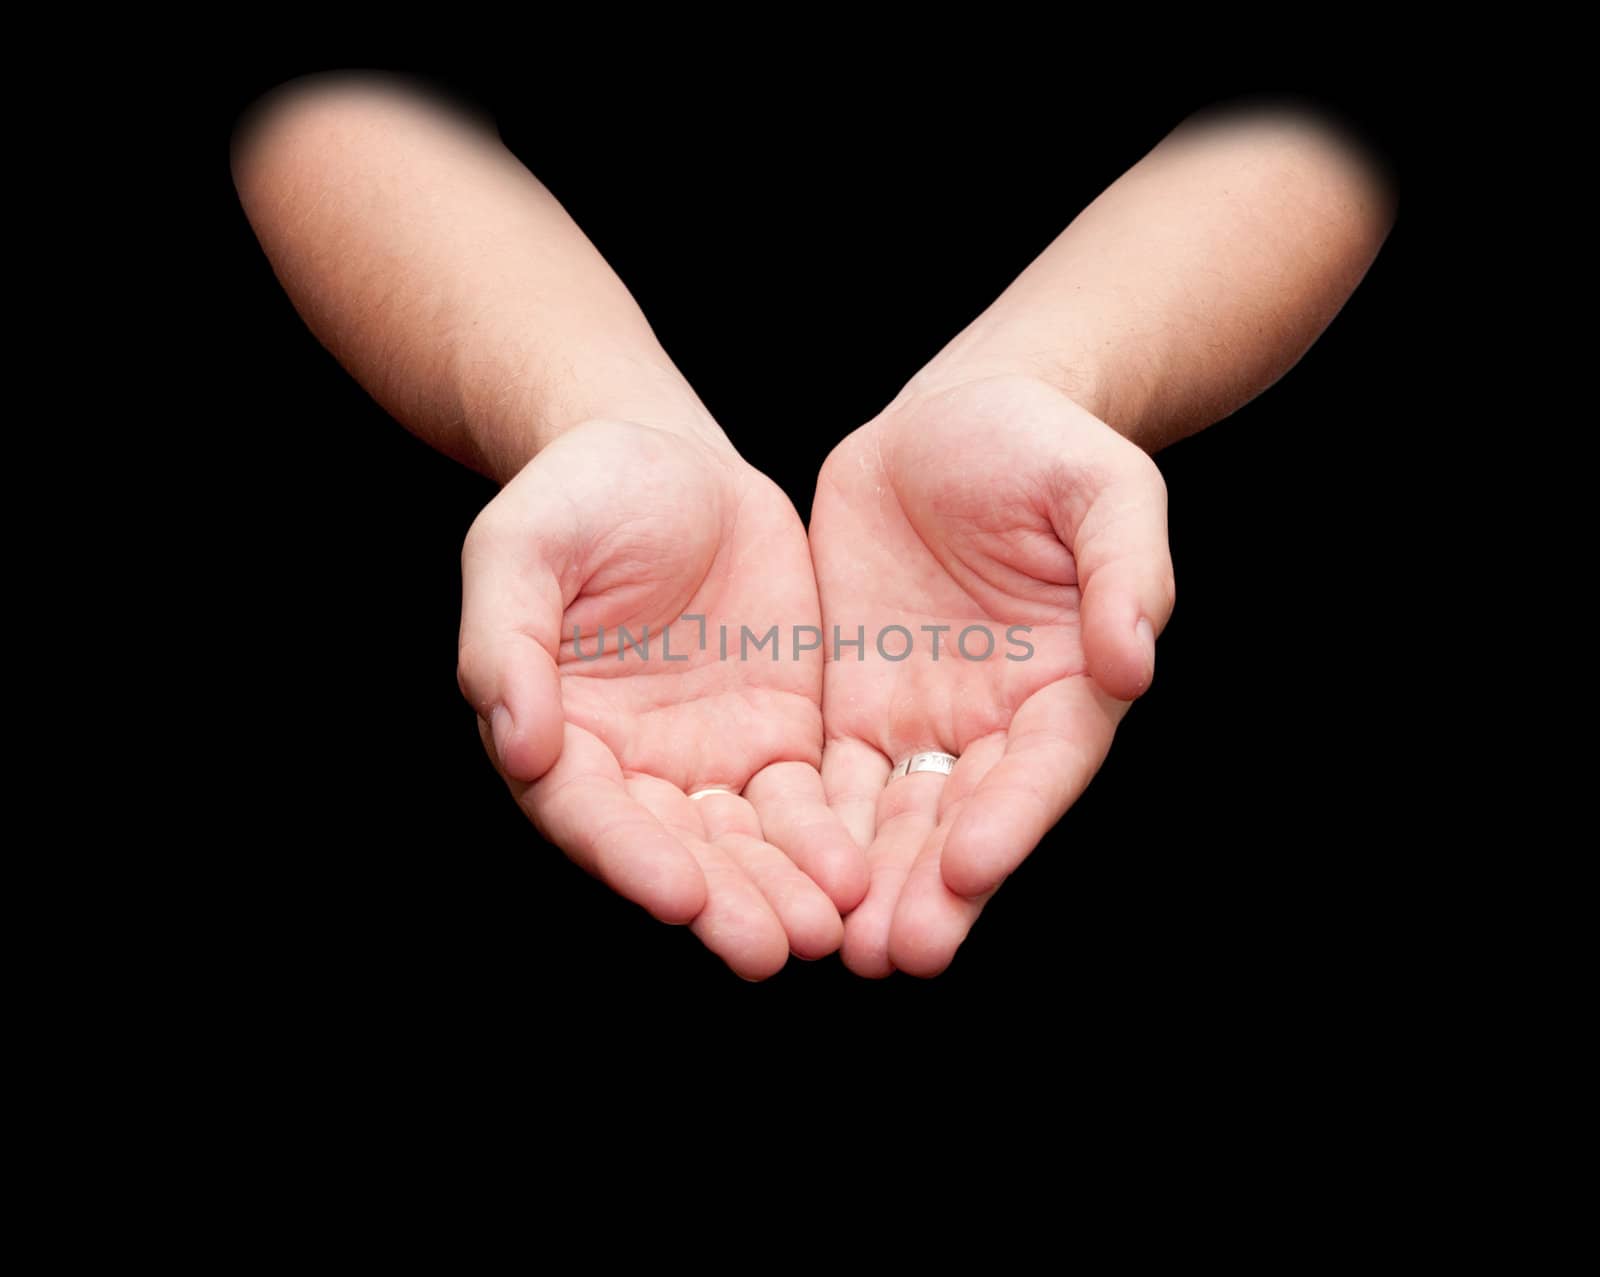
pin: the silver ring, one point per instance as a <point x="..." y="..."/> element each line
<point x="712" y="789"/>
<point x="929" y="760"/>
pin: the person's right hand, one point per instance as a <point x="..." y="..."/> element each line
<point x="617" y="524"/>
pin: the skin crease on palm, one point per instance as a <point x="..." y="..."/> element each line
<point x="994" y="503"/>
<point x="1008" y="485"/>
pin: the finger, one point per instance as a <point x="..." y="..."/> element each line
<point x="1056" y="743"/>
<point x="582" y="806"/>
<point x="907" y="807"/>
<point x="853" y="774"/>
<point x="737" y="924"/>
<point x="510" y="631"/>
<point x="975" y="762"/>
<point x="733" y="823"/>
<point x="809" y="919"/>
<point x="1126" y="573"/>
<point x="795" y="816"/>
<point x="930" y="921"/>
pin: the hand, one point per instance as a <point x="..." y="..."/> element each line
<point x="992" y="503"/>
<point x="616" y="524"/>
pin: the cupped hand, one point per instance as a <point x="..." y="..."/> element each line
<point x="621" y="525"/>
<point x="987" y="505"/>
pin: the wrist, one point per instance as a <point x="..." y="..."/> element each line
<point x="985" y="353"/>
<point x="1071" y="378"/>
<point x="508" y="429"/>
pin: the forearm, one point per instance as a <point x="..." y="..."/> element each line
<point x="445" y="277"/>
<point x="1194" y="282"/>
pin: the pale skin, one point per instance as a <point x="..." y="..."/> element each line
<point x="455" y="288"/>
<point x="1009" y="483"/>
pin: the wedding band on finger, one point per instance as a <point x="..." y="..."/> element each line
<point x="711" y="789"/>
<point x="928" y="760"/>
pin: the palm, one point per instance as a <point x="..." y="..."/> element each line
<point x="969" y="512"/>
<point x="684" y="540"/>
<point x="579" y="579"/>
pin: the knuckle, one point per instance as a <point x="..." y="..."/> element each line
<point x="480" y="536"/>
<point x="1153" y="476"/>
<point x="472" y="674"/>
<point x="1169" y="588"/>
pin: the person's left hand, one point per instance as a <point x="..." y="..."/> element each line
<point x="991" y="504"/>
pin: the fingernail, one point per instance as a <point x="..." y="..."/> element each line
<point x="500" y="724"/>
<point x="1147" y="636"/>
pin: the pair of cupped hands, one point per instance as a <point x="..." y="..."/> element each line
<point x="995" y="502"/>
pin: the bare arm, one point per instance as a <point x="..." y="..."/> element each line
<point x="1195" y="281"/>
<point x="445" y="277"/>
<point x="1010" y="483"/>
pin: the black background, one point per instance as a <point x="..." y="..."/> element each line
<point x="802" y="241"/>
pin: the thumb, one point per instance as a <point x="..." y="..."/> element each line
<point x="511" y="610"/>
<point x="1125" y="569"/>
